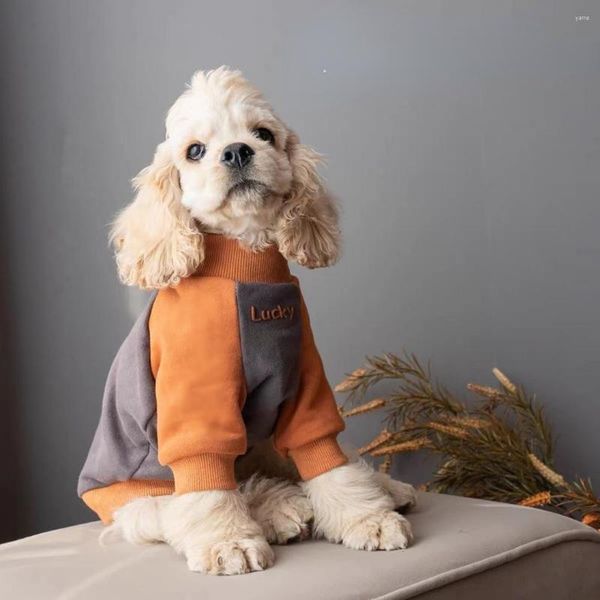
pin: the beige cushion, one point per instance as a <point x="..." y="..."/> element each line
<point x="464" y="549"/>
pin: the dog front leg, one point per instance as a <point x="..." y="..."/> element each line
<point x="212" y="529"/>
<point x="353" y="505"/>
<point x="215" y="532"/>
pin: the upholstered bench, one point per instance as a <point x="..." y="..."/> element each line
<point x="463" y="549"/>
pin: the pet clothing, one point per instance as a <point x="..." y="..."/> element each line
<point x="212" y="365"/>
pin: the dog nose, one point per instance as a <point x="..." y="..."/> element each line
<point x="237" y="155"/>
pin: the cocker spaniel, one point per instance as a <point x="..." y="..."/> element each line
<point x="219" y="381"/>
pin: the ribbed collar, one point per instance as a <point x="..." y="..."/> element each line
<point x="225" y="257"/>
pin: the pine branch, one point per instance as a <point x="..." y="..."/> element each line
<point x="500" y="448"/>
<point x="579" y="497"/>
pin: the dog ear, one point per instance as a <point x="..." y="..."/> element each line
<point x="308" y="231"/>
<point x="156" y="241"/>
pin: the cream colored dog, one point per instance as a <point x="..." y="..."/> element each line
<point x="280" y="199"/>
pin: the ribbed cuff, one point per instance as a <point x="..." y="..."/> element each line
<point x="318" y="457"/>
<point x="105" y="500"/>
<point x="204" y="472"/>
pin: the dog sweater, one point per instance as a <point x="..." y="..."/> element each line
<point x="222" y="360"/>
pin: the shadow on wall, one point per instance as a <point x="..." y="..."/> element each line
<point x="13" y="522"/>
<point x="12" y="527"/>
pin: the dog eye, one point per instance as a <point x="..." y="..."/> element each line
<point x="264" y="134"/>
<point x="196" y="151"/>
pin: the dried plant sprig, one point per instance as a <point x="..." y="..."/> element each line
<point x="591" y="519"/>
<point x="472" y="422"/>
<point x="540" y="499"/>
<point x="365" y="408"/>
<point x="381" y="438"/>
<point x="408" y="446"/>
<point x="351" y="382"/>
<point x="505" y="382"/>
<point x="451" y="430"/>
<point x="485" y="391"/>
<point x="530" y="420"/>
<point x="418" y="393"/>
<point x="500" y="448"/>
<point x="546" y="472"/>
<point x="578" y="497"/>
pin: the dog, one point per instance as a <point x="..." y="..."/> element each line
<point x="219" y="380"/>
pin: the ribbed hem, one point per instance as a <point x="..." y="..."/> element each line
<point x="225" y="257"/>
<point x="318" y="457"/>
<point x="105" y="500"/>
<point x="204" y="472"/>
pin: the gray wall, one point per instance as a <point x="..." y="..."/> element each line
<point x="463" y="139"/>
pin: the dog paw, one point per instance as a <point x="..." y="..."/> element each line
<point x="232" y="557"/>
<point x="404" y="495"/>
<point x="382" y="531"/>
<point x="288" y="520"/>
<point x="280" y="507"/>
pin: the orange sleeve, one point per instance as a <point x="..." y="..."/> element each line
<point x="307" y="427"/>
<point x="196" y="362"/>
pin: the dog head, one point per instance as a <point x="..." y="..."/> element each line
<point x="228" y="165"/>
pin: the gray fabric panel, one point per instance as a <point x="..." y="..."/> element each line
<point x="124" y="445"/>
<point x="457" y="540"/>
<point x="270" y="336"/>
